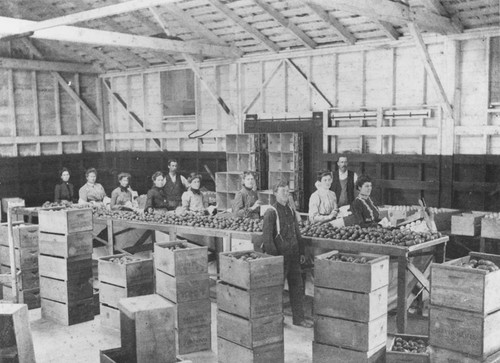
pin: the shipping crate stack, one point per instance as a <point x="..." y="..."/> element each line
<point x="16" y="344"/>
<point x="122" y="276"/>
<point x="464" y="316"/>
<point x="25" y="238"/>
<point x="467" y="224"/>
<point x="65" y="265"/>
<point x="250" y="308"/>
<point x="181" y="270"/>
<point x="350" y="307"/>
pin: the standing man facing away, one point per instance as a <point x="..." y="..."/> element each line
<point x="175" y="185"/>
<point x="343" y="183"/>
<point x="281" y="236"/>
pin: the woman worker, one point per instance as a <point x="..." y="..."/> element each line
<point x="363" y="208"/>
<point x="123" y="197"/>
<point x="157" y="197"/>
<point x="323" y="202"/>
<point x="64" y="190"/>
<point x="246" y="203"/>
<point x="192" y="200"/>
<point x="92" y="192"/>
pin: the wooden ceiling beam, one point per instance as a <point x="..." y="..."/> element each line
<point x="339" y="29"/>
<point x="436" y="6"/>
<point x="255" y="33"/>
<point x="287" y="24"/>
<point x="388" y="29"/>
<point x="113" y="39"/>
<point x="38" y="65"/>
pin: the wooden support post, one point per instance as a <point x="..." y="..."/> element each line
<point x="78" y="111"/>
<point x="111" y="242"/>
<point x="57" y="107"/>
<point x="36" y="115"/>
<point x="402" y="317"/>
<point x="100" y="112"/>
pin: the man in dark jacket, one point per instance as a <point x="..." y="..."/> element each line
<point x="343" y="183"/>
<point x="175" y="185"/>
<point x="281" y="236"/>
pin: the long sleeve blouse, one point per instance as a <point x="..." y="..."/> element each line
<point x="321" y="204"/>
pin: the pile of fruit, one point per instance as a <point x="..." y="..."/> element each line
<point x="63" y="204"/>
<point x="481" y="265"/>
<point x="250" y="256"/>
<point x="378" y="235"/>
<point x="408" y="345"/>
<point x="122" y="260"/>
<point x="179" y="246"/>
<point x="344" y="258"/>
<point x="189" y="219"/>
<point x="492" y="216"/>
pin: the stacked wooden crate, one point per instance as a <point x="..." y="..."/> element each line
<point x="350" y="307"/>
<point x="227" y="184"/>
<point x="250" y="308"/>
<point x="122" y="276"/>
<point x="25" y="238"/>
<point x="181" y="270"/>
<point x="467" y="224"/>
<point x="65" y="264"/>
<point x="465" y="311"/>
<point x="16" y="344"/>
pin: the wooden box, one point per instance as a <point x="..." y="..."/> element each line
<point x="350" y="334"/>
<point x="65" y="221"/>
<point x="126" y="274"/>
<point x="250" y="333"/>
<point x="26" y="279"/>
<point x="118" y="355"/>
<point x="30" y="297"/>
<point x="351" y="276"/>
<point x="192" y="339"/>
<point x="15" y="333"/>
<point x="350" y="305"/>
<point x="254" y="274"/>
<point x="323" y="353"/>
<point x="229" y="352"/>
<point x="68" y="269"/>
<point x="26" y="258"/>
<point x="111" y="294"/>
<point x="458" y="287"/>
<point x="186" y="261"/>
<point x="23" y="235"/>
<point x="147" y="325"/>
<point x="250" y="304"/>
<point x="6" y="202"/>
<point x="442" y="218"/>
<point x="193" y="313"/>
<point x="490" y="228"/>
<point x="110" y="316"/>
<point x="69" y="245"/>
<point x="467" y="224"/>
<point x="464" y="332"/>
<point x="440" y="355"/>
<point x="68" y="314"/>
<point x="182" y="288"/>
<point x="402" y="357"/>
<point x="65" y="291"/>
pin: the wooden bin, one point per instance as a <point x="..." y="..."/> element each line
<point x="68" y="314"/>
<point x="15" y="333"/>
<point x="69" y="245"/>
<point x="467" y="224"/>
<point x="111" y="294"/>
<point x="250" y="304"/>
<point x="457" y="287"/>
<point x="68" y="269"/>
<point x="110" y="316"/>
<point x="23" y="235"/>
<point x="67" y="292"/>
<point x="250" y="333"/>
<point x="229" y="352"/>
<point x="440" y="355"/>
<point x="65" y="221"/>
<point x="25" y="258"/>
<point x="264" y="271"/>
<point x="30" y="297"/>
<point x="402" y="357"/>
<point x="192" y="339"/>
<point x="490" y="228"/>
<point x="182" y="288"/>
<point x="323" y="353"/>
<point x="464" y="331"/>
<point x="27" y="279"/>
<point x="125" y="274"/>
<point x="177" y="262"/>
<point x="193" y="313"/>
<point x="118" y="355"/>
<point x="351" y="276"/>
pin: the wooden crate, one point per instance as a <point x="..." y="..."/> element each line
<point x="458" y="287"/>
<point x="464" y="331"/>
<point x="350" y="305"/>
<point x="26" y="258"/>
<point x="350" y="334"/>
<point x="15" y="333"/>
<point x="68" y="314"/>
<point x="254" y="274"/>
<point x="118" y="355"/>
<point x="351" y="276"/>
<point x="490" y="228"/>
<point x="440" y="355"/>
<point x="23" y="235"/>
<point x="402" y="357"/>
<point x="229" y="352"/>
<point x="193" y="313"/>
<point x="12" y="202"/>
<point x="443" y="218"/>
<point x="249" y="304"/>
<point x="182" y="288"/>
<point x="192" y="339"/>
<point x="26" y="279"/>
<point x="69" y="245"/>
<point x="467" y="224"/>
<point x="323" y="353"/>
<point x="147" y="325"/>
<point x="127" y="274"/>
<point x="30" y="297"/>
<point x="67" y="292"/>
<point x="110" y="316"/>
<point x="111" y="294"/>
<point x="250" y="333"/>
<point x="65" y="221"/>
<point x="68" y="269"/>
<point x="187" y="261"/>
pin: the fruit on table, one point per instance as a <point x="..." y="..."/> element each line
<point x="481" y="265"/>
<point x="344" y="258"/>
<point x="122" y="260"/>
<point x="408" y="345"/>
<point x="492" y="216"/>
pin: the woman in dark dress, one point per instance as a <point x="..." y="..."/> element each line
<point x="363" y="208"/>
<point x="64" y="190"/>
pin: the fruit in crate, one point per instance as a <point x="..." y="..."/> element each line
<point x="407" y="345"/>
<point x="179" y="246"/>
<point x="351" y="259"/>
<point x="246" y="257"/>
<point x="492" y="216"/>
<point x="481" y="265"/>
<point x="404" y="208"/>
<point x="124" y="260"/>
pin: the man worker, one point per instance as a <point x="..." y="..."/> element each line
<point x="343" y="183"/>
<point x="281" y="237"/>
<point x="175" y="185"/>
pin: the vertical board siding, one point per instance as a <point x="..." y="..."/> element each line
<point x="23" y="96"/>
<point x="378" y="87"/>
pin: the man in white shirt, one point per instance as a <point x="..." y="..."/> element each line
<point x="344" y="181"/>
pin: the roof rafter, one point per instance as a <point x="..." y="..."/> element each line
<point x="388" y="29"/>
<point x="287" y="24"/>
